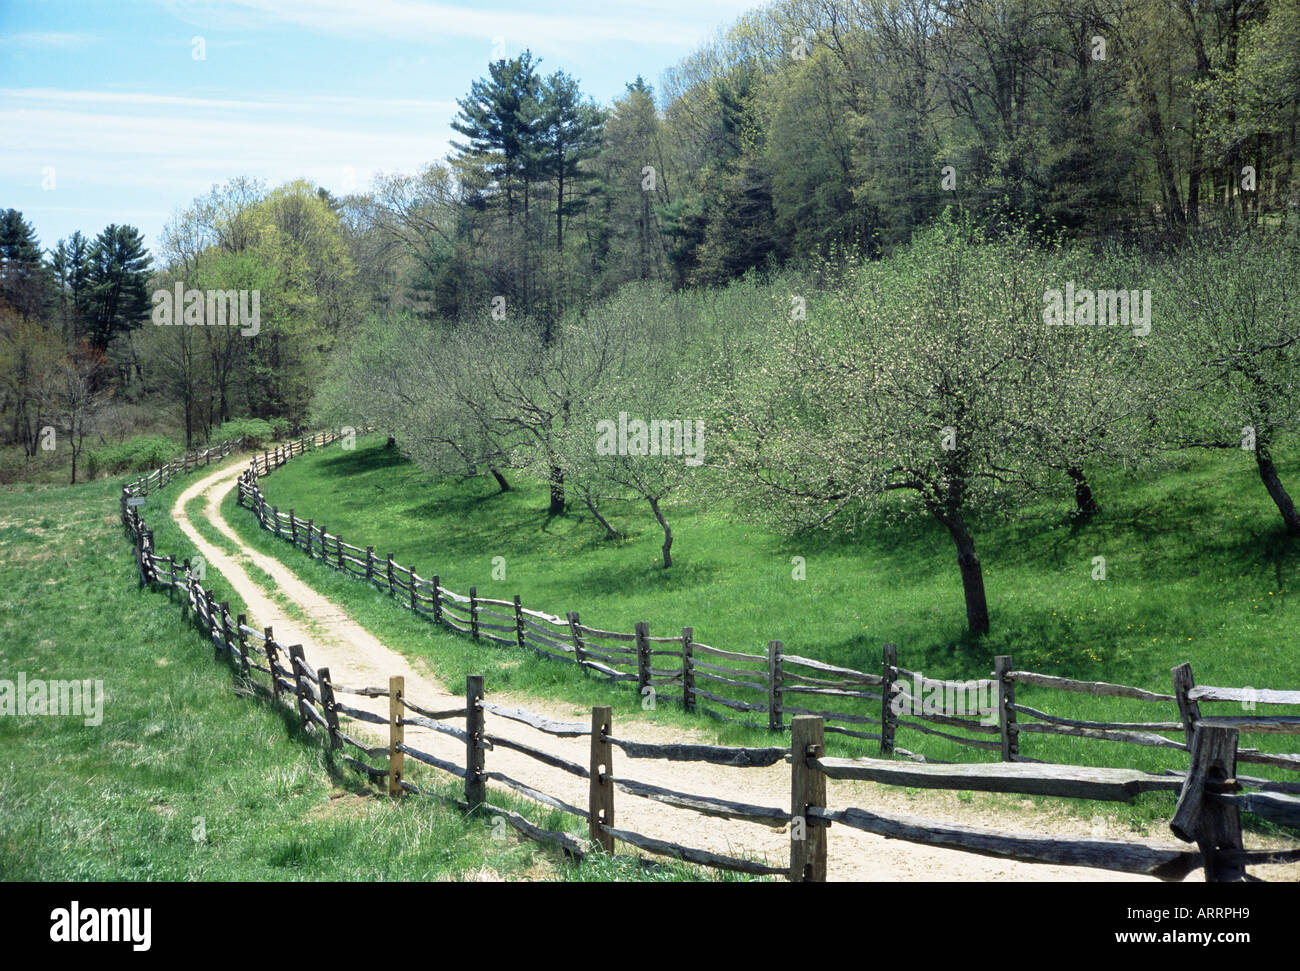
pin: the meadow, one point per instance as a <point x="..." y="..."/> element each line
<point x="190" y="776"/>
<point x="1220" y="596"/>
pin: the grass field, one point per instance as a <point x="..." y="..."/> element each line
<point x="1197" y="570"/>
<point x="182" y="750"/>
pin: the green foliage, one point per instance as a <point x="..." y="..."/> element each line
<point x="140" y="454"/>
<point x="256" y="432"/>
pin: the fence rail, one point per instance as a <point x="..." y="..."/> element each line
<point x="1209" y="793"/>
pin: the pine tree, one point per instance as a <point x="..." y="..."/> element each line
<point x="119" y="278"/>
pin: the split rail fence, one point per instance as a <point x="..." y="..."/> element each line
<point x="1211" y="795"/>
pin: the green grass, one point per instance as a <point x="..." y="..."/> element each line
<point x="184" y="745"/>
<point x="1197" y="570"/>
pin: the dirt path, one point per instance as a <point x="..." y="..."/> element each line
<point x="355" y="657"/>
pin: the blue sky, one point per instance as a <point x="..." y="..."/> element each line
<point x="108" y="115"/>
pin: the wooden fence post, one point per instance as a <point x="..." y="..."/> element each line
<point x="243" y="644"/>
<point x="293" y="527"/>
<point x="1198" y="817"/>
<point x="1189" y="712"/>
<point x="642" y="658"/>
<point x="1006" y="715"/>
<point x="600" y="801"/>
<point x="310" y="529"/>
<point x="270" y="662"/>
<point x="339" y="540"/>
<point x="210" y="609"/>
<point x="475" y="784"/>
<point x="519" y="621"/>
<point x="688" y="668"/>
<point x="473" y="612"/>
<point x="396" y="734"/>
<point x="774" y="678"/>
<point x="370" y="564"/>
<point x="275" y="512"/>
<point x="295" y="656"/>
<point x="392" y="581"/>
<point x="888" y="719"/>
<point x="807" y="790"/>
<point x="226" y="629"/>
<point x="579" y="654"/>
<point x="411" y="579"/>
<point x="327" y="703"/>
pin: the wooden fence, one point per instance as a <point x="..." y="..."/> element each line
<point x="777" y="684"/>
<point x="1210" y="794"/>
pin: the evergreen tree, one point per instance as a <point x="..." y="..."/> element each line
<point x="119" y="284"/>
<point x="25" y="283"/>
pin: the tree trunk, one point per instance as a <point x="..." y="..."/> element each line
<point x="1083" y="497"/>
<point x="610" y="531"/>
<point x="501" y="480"/>
<point x="557" y="491"/>
<point x="1268" y="473"/>
<point x="668" y="533"/>
<point x="972" y="575"/>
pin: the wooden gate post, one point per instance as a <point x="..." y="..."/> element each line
<point x="688" y="668"/>
<point x="1006" y="715"/>
<point x="600" y="801"/>
<point x="1189" y="712"/>
<point x="775" y="722"/>
<point x="475" y="784"/>
<point x="807" y="790"/>
<point x="888" y="719"/>
<point x="396" y="734"/>
<point x="1213" y="825"/>
<point x="642" y="658"/>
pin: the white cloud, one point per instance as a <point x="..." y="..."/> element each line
<point x="47" y="40"/>
<point x="668" y="23"/>
<point x="189" y="143"/>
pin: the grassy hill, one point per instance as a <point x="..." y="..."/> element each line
<point x="1197" y="569"/>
